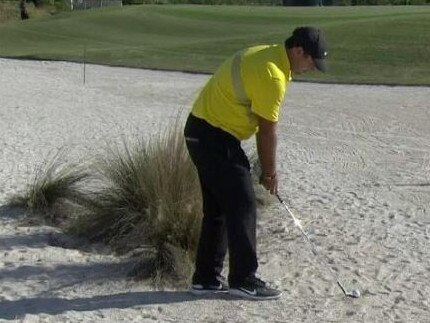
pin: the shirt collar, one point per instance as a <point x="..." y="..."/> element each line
<point x="285" y="62"/>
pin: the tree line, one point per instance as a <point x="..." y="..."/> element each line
<point x="283" y="2"/>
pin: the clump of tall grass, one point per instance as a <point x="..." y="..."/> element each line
<point x="8" y="11"/>
<point x="150" y="200"/>
<point x="139" y="195"/>
<point x="55" y="191"/>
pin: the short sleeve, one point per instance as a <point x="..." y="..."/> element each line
<point x="268" y="93"/>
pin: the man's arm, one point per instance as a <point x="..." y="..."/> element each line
<point x="266" y="147"/>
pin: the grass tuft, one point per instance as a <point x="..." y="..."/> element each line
<point x="55" y="188"/>
<point x="150" y="199"/>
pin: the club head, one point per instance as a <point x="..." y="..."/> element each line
<point x="354" y="293"/>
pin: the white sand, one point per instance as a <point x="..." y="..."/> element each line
<point x="354" y="162"/>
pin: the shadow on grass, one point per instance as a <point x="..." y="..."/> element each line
<point x="53" y="305"/>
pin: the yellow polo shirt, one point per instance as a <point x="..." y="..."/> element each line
<point x="264" y="75"/>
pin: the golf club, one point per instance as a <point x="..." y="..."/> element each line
<point x="354" y="293"/>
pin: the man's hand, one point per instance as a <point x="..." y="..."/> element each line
<point x="266" y="147"/>
<point x="270" y="183"/>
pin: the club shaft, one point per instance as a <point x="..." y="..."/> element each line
<point x="312" y="246"/>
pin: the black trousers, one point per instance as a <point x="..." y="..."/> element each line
<point x="229" y="204"/>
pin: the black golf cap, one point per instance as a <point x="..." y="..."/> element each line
<point x="313" y="43"/>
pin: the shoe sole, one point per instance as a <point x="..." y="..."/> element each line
<point x="243" y="294"/>
<point x="203" y="292"/>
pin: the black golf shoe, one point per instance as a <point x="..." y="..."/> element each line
<point x="219" y="285"/>
<point x="255" y="289"/>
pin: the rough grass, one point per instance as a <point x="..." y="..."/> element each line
<point x="140" y="196"/>
<point x="10" y="12"/>
<point x="55" y="187"/>
<point x="150" y="201"/>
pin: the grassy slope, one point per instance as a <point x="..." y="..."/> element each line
<point x="367" y="44"/>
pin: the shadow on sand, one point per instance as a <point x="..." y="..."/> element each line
<point x="66" y="275"/>
<point x="53" y="306"/>
<point x="12" y="212"/>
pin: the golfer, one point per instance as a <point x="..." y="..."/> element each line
<point x="242" y="98"/>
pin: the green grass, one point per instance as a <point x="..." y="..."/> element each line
<point x="385" y="45"/>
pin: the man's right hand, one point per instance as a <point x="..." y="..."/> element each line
<point x="270" y="183"/>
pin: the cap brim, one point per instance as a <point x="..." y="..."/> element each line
<point x="320" y="64"/>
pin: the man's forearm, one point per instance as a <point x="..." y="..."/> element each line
<point x="266" y="147"/>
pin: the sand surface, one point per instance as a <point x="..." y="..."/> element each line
<point x="354" y="165"/>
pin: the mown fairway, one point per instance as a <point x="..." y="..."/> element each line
<point x="389" y="45"/>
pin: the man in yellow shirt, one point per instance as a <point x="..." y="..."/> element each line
<point x="242" y="98"/>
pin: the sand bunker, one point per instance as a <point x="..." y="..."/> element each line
<point x="354" y="165"/>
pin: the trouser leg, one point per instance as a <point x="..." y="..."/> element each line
<point x="212" y="246"/>
<point x="241" y="224"/>
<point x="229" y="202"/>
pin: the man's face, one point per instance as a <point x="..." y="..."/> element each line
<point x="301" y="61"/>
